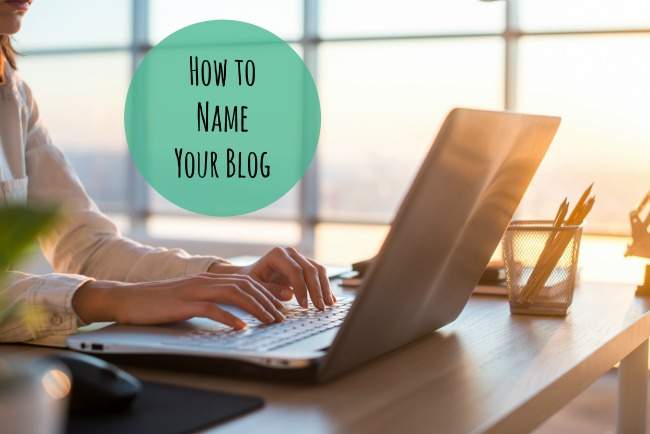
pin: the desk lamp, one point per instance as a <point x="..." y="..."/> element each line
<point x="641" y="241"/>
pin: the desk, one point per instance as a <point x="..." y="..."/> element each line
<point x="489" y="371"/>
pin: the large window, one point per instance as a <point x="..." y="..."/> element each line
<point x="387" y="73"/>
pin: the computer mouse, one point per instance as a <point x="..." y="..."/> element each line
<point x="98" y="386"/>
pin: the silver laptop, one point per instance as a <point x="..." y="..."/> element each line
<point x="441" y="239"/>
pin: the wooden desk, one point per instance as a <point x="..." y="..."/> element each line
<point x="487" y="372"/>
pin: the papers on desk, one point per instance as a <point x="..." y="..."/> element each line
<point x="492" y="282"/>
<point x="496" y="289"/>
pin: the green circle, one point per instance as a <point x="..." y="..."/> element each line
<point x="268" y="124"/>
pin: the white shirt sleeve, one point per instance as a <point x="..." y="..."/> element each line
<point x="84" y="242"/>
<point x="41" y="305"/>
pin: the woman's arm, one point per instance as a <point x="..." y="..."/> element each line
<point x="84" y="241"/>
<point x="176" y="300"/>
<point x="131" y="278"/>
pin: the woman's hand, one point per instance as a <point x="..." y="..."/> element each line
<point x="176" y="300"/>
<point x="285" y="272"/>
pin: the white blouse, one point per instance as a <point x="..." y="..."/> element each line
<point x="84" y="244"/>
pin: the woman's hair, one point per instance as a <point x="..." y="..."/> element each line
<point x="7" y="50"/>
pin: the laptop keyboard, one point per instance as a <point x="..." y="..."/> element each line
<point x="299" y="324"/>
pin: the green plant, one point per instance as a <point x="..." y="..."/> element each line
<point x="20" y="225"/>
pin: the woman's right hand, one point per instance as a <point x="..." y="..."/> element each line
<point x="179" y="299"/>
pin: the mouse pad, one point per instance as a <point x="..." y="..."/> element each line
<point x="166" y="409"/>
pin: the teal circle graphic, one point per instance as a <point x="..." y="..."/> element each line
<point x="222" y="118"/>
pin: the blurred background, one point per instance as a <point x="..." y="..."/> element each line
<point x="387" y="73"/>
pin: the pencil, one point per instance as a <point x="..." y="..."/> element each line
<point x="555" y="246"/>
<point x="557" y="222"/>
<point x="550" y="256"/>
<point x="580" y="203"/>
<point x="561" y="213"/>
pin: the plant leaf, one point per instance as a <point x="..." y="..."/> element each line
<point x="19" y="228"/>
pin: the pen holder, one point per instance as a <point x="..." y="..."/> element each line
<point x="541" y="262"/>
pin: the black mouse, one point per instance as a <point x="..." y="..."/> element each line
<point x="98" y="386"/>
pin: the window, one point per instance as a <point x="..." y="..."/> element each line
<point x="58" y="25"/>
<point x="387" y="74"/>
<point x="282" y="17"/>
<point x="599" y="85"/>
<point x="369" y="18"/>
<point x="80" y="78"/>
<point x="382" y="110"/>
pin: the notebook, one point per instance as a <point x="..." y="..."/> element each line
<point x="443" y="235"/>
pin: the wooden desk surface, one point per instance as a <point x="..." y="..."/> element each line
<point x="489" y="371"/>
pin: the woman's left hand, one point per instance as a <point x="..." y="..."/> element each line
<point x="285" y="273"/>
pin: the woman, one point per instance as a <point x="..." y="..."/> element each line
<point x="105" y="277"/>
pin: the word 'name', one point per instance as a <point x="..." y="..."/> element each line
<point x="233" y="119"/>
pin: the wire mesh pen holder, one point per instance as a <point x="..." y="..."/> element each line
<point x="541" y="263"/>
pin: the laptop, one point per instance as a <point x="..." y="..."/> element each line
<point x="443" y="235"/>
